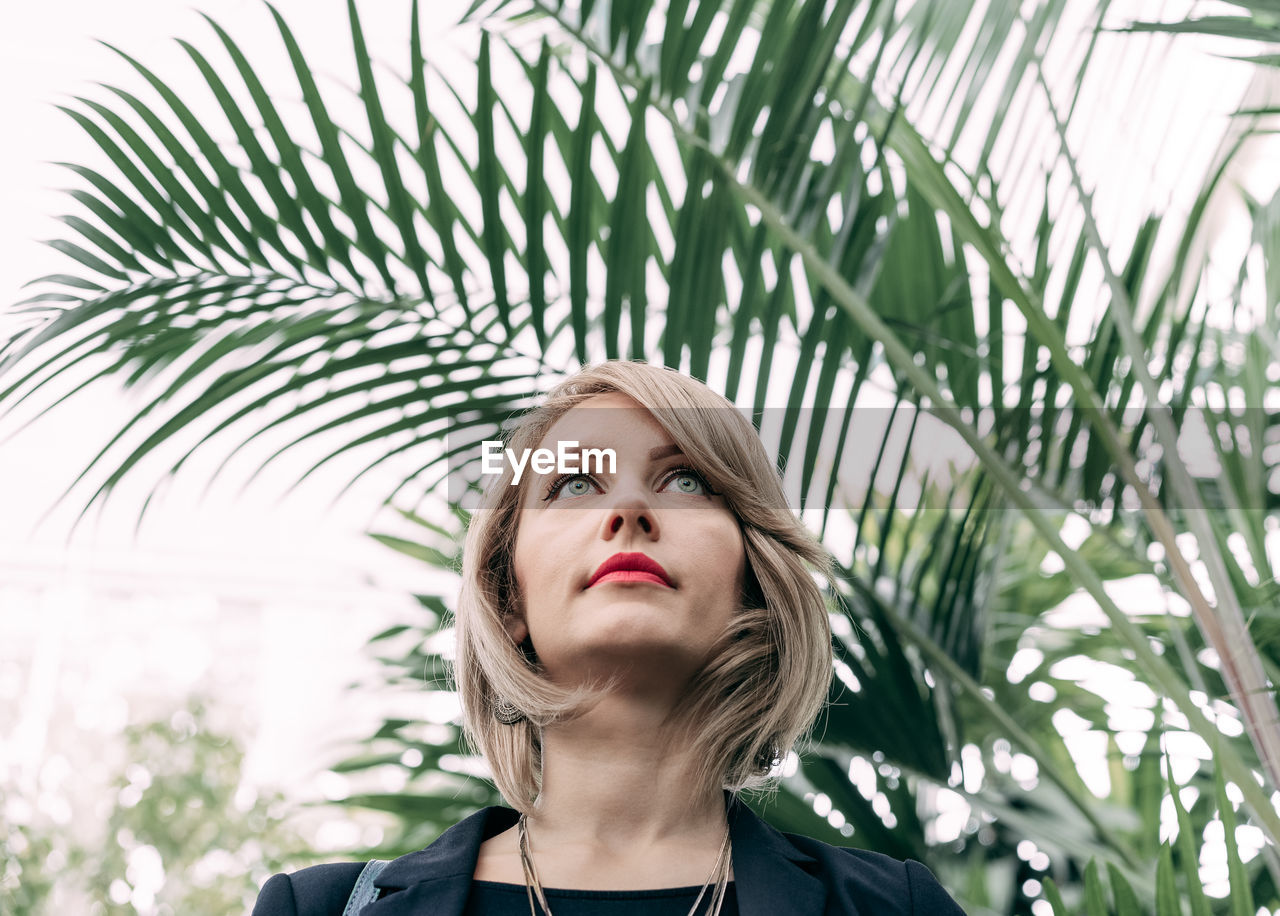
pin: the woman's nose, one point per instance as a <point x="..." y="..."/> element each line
<point x="630" y="511"/>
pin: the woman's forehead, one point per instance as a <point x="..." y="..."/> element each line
<point x="605" y="420"/>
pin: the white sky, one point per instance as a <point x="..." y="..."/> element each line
<point x="271" y="598"/>
<point x="47" y="55"/>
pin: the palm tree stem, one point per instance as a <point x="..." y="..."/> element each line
<point x="1225" y="630"/>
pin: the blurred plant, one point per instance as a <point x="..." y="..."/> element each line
<point x="32" y="852"/>
<point x="1179" y="875"/>
<point x="879" y="756"/>
<point x="179" y="833"/>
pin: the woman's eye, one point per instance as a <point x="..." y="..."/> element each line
<point x="570" y="485"/>
<point x="691" y="482"/>
<point x="682" y="480"/>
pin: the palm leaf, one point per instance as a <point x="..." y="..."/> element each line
<point x="279" y="313"/>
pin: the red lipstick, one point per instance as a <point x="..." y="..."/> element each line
<point x="631" y="567"/>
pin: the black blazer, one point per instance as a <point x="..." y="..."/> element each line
<point x="776" y="874"/>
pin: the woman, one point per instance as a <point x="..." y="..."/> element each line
<point x="635" y="644"/>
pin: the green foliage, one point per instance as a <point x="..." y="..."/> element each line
<point x="180" y="831"/>
<point x="31" y="855"/>
<point x="815" y="242"/>
<point x="898" y="726"/>
<point x="1175" y="884"/>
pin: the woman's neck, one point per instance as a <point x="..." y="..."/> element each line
<point x="621" y="807"/>
<point x="612" y="782"/>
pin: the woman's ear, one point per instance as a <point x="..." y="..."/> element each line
<point x="511" y="606"/>
<point x="516" y="628"/>
<point x="513" y="619"/>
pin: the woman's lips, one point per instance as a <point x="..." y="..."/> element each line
<point x="631" y="567"/>
<point x="629" y="575"/>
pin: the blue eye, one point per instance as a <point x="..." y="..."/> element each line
<point x="571" y="484"/>
<point x="680" y="480"/>
<point x="689" y="481"/>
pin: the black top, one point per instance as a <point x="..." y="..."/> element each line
<point x="492" y="898"/>
<point x="776" y="873"/>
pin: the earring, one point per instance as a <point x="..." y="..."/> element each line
<point x="505" y="711"/>
<point x="770" y="756"/>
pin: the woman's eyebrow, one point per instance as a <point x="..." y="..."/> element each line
<point x="664" y="451"/>
<point x="655" y="454"/>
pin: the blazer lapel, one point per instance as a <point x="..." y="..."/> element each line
<point x="436" y="880"/>
<point x="769" y="872"/>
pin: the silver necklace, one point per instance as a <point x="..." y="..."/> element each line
<point x="719" y="876"/>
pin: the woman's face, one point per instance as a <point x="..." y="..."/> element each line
<point x="635" y="572"/>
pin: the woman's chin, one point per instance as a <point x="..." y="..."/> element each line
<point x="629" y="647"/>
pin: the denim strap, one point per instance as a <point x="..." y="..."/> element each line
<point x="364" y="892"/>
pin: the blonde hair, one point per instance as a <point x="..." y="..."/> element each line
<point x="767" y="677"/>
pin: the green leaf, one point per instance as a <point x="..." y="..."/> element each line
<point x="1241" y="894"/>
<point x="440" y="209"/>
<point x="1126" y="900"/>
<point x="536" y="198"/>
<point x="1052" y="894"/>
<point x="260" y="225"/>
<point x="423" y="552"/>
<point x="1239" y="27"/>
<point x="315" y="204"/>
<point x="487" y="170"/>
<point x="1166" y="886"/>
<point x="385" y="154"/>
<point x="627" y="250"/>
<point x="1095" y="898"/>
<point x="355" y="203"/>
<point x="1189" y="860"/>
<point x="578" y="236"/>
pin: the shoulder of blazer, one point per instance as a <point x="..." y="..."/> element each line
<point x="877" y="883"/>
<point x="313" y="891"/>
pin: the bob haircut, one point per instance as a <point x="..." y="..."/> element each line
<point x="766" y="678"/>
